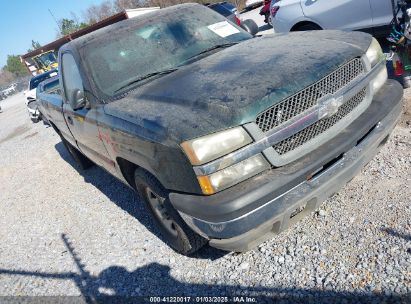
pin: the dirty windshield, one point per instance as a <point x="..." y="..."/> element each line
<point x="122" y="58"/>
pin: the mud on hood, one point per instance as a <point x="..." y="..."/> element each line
<point x="232" y="86"/>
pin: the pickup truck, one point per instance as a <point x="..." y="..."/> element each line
<point x="228" y="138"/>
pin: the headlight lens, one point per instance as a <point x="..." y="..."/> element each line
<point x="204" y="149"/>
<point x="379" y="80"/>
<point x="233" y="175"/>
<point x="374" y="52"/>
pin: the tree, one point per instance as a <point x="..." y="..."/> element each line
<point x="6" y="78"/>
<point x="96" y="13"/>
<point x="34" y="46"/>
<point x="121" y="5"/>
<point x="15" y="66"/>
<point x="67" y="26"/>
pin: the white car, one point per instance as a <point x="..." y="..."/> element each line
<point x="373" y="16"/>
<point x="30" y="94"/>
<point x="9" y="91"/>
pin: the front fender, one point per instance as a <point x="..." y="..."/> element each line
<point x="149" y="150"/>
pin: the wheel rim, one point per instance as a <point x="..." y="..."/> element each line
<point x="160" y="211"/>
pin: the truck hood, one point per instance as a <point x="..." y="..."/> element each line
<point x="231" y="86"/>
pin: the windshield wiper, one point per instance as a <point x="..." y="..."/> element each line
<point x="138" y="79"/>
<point x="218" y="46"/>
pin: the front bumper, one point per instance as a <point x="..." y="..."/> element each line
<point x="33" y="110"/>
<point x="33" y="113"/>
<point x="241" y="217"/>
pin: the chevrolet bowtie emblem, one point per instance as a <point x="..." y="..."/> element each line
<point x="329" y="107"/>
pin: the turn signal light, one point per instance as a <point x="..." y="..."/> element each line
<point x="398" y="68"/>
<point x="205" y="185"/>
<point x="237" y="20"/>
<point x="274" y="10"/>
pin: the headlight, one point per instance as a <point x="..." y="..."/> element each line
<point x="204" y="149"/>
<point x="32" y="105"/>
<point x="379" y="80"/>
<point x="374" y="53"/>
<point x="233" y="175"/>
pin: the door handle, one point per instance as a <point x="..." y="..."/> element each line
<point x="70" y="120"/>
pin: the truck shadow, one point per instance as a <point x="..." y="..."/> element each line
<point x="395" y="233"/>
<point x="264" y="27"/>
<point x="117" y="284"/>
<point x="127" y="199"/>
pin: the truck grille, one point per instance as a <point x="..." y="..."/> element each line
<point x="320" y="126"/>
<point x="308" y="97"/>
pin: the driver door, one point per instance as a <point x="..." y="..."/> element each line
<point x="82" y="120"/>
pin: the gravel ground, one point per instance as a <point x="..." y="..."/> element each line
<point x="64" y="231"/>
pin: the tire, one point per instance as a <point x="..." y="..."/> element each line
<point x="308" y="27"/>
<point x="270" y="20"/>
<point x="406" y="80"/>
<point x="35" y="119"/>
<point x="79" y="157"/>
<point x="250" y="26"/>
<point x="174" y="230"/>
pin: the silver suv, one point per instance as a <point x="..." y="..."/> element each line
<point x="372" y="16"/>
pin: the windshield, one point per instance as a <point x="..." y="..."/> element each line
<point x="152" y="45"/>
<point x="47" y="58"/>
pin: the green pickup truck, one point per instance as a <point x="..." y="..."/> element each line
<point x="228" y="138"/>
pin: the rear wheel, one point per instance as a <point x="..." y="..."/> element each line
<point x="174" y="230"/>
<point x="269" y="19"/>
<point x="250" y="26"/>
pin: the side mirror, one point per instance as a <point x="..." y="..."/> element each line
<point x="250" y="26"/>
<point x="77" y="99"/>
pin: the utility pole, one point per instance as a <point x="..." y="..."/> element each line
<point x="58" y="25"/>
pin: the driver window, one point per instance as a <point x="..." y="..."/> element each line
<point x="71" y="76"/>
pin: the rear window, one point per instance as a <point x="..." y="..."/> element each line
<point x="51" y="87"/>
<point x="231" y="7"/>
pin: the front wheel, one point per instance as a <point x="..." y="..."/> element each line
<point x="174" y="230"/>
